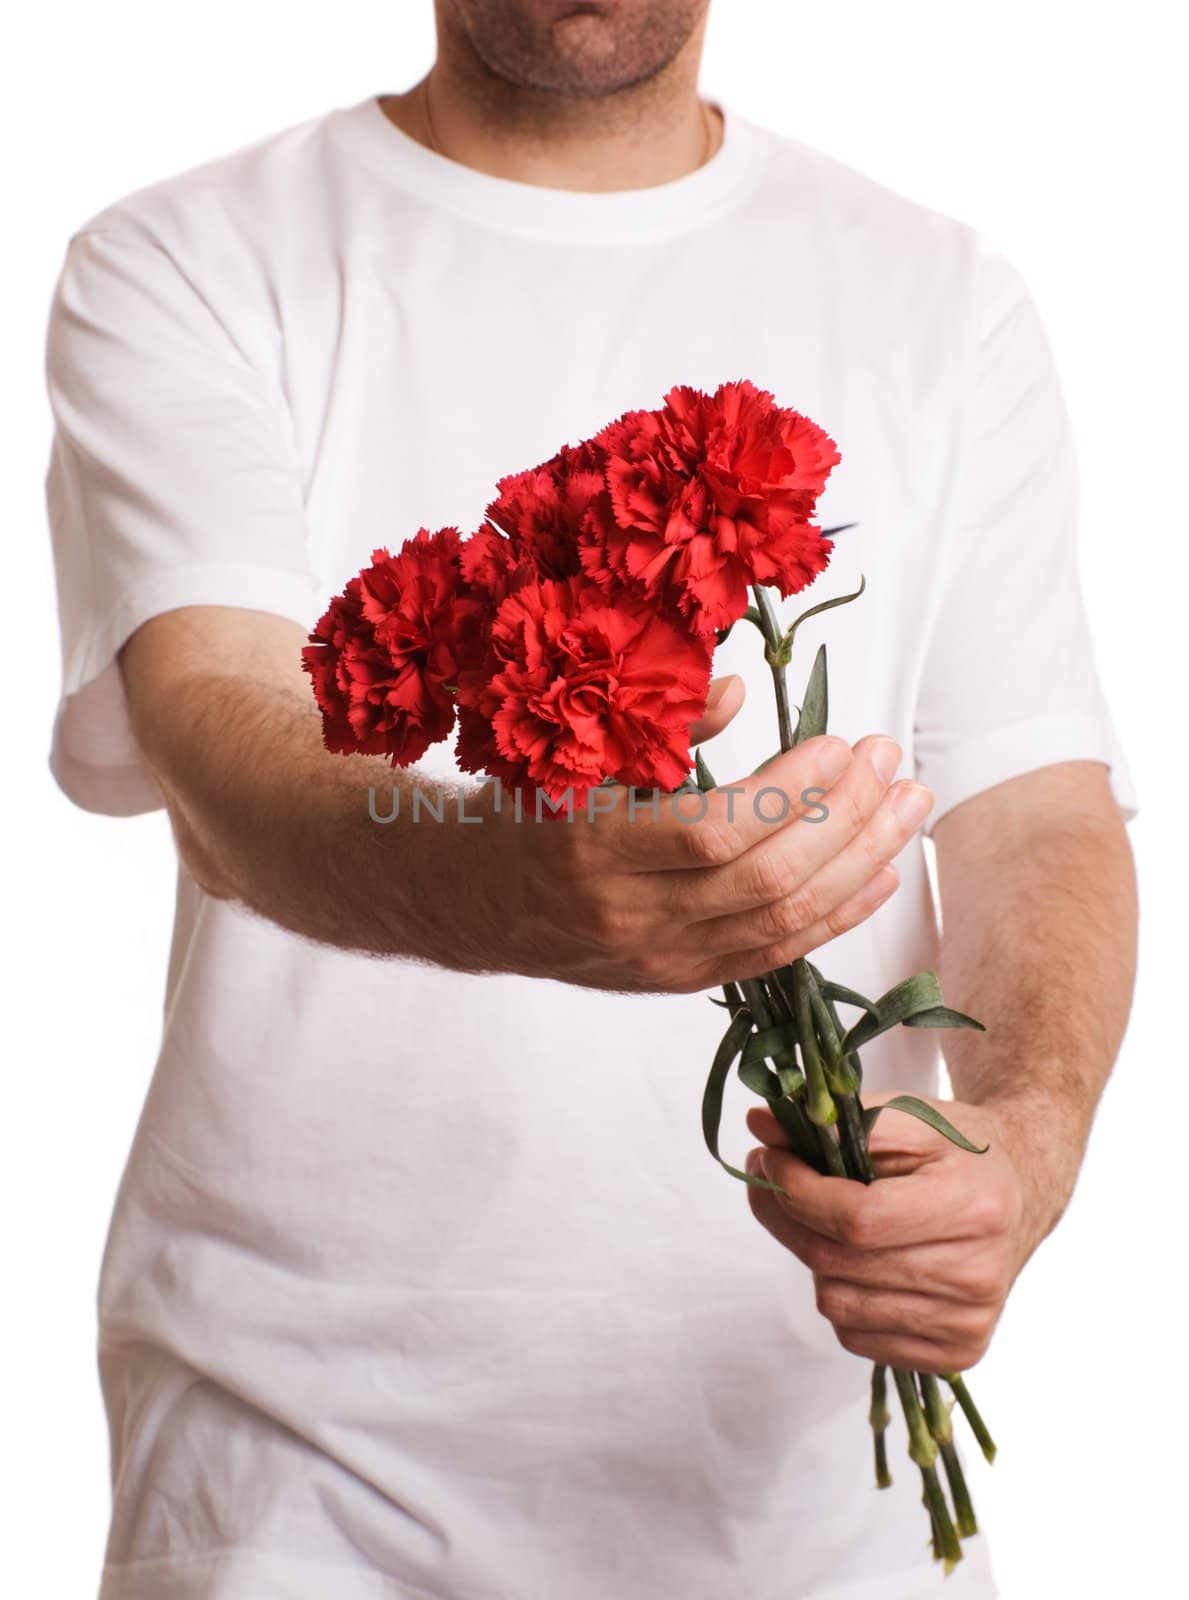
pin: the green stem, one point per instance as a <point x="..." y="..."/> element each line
<point x="843" y="1084"/>
<point x="839" y="1073"/>
<point x="852" y="1059"/>
<point x="963" y="1506"/>
<point x="946" y="1545"/>
<point x="820" y="1107"/>
<point x="773" y="640"/>
<point x="854" y="1135"/>
<point x="977" y="1426"/>
<point x="788" y="1112"/>
<point x="921" y="1446"/>
<point x="922" y="1449"/>
<point x="765" y="1015"/>
<point x="879" y="1416"/>
<point x="937" y="1415"/>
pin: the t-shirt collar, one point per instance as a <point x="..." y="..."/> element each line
<point x="530" y="209"/>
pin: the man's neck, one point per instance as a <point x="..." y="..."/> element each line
<point x="652" y="133"/>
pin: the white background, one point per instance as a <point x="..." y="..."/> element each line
<point x="1051" y="125"/>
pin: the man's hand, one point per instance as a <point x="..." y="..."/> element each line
<point x="683" y="896"/>
<point x="912" y="1270"/>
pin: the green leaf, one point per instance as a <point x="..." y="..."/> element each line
<point x="786" y="643"/>
<point x="943" y="1017"/>
<point x="746" y="1177"/>
<point x="761" y="1080"/>
<point x="916" y="994"/>
<point x="843" y="527"/>
<point x="779" y="1040"/>
<point x="705" y="776"/>
<point x="792" y="1080"/>
<point x="724" y="1058"/>
<point x="816" y="704"/>
<point x="839" y="992"/>
<point x="730" y="1047"/>
<point x="923" y="1112"/>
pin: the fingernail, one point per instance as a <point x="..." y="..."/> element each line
<point x="833" y="758"/>
<point x="912" y="803"/>
<point x="885" y="758"/>
<point x="753" y="1164"/>
<point x="718" y="688"/>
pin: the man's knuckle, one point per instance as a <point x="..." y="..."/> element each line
<point x="785" y="951"/>
<point x="778" y="920"/>
<point x="821" y="1257"/>
<point x="611" y="925"/>
<point x="740" y="965"/>
<point x="840" y="919"/>
<point x="851" y="1339"/>
<point x="989" y="1213"/>
<point x="853" y="812"/>
<point x="797" y="911"/>
<point x="711" y="842"/>
<point x="982" y="1283"/>
<point x="765" y="880"/>
<point x="969" y="1352"/>
<point x="831" y="1300"/>
<point x="859" y="1227"/>
<point x="652" y="970"/>
<point x="876" y="845"/>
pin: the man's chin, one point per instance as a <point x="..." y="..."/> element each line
<point x="586" y="50"/>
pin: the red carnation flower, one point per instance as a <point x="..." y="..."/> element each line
<point x="710" y="495"/>
<point x="492" y="566"/>
<point x="545" y="510"/>
<point x="385" y="657"/>
<point x="585" y="689"/>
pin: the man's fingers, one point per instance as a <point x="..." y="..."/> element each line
<point x="763" y="958"/>
<point x="722" y="704"/>
<point x="907" y="1354"/>
<point x="692" y="830"/>
<point x="763" y="1124"/>
<point x="899" y="1311"/>
<point x="921" y="1208"/>
<point x="818" y="898"/>
<point x="947" y="1270"/>
<point x="776" y="868"/>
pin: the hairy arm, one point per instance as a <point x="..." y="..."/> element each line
<point x="261" y="814"/>
<point x="1038" y="906"/>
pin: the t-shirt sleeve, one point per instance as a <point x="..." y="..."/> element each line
<point x="173" y="481"/>
<point x="1009" y="682"/>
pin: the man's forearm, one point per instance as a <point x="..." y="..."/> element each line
<point x="263" y="817"/>
<point x="1039" y="932"/>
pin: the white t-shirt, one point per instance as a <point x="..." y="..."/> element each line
<point x="420" y="1284"/>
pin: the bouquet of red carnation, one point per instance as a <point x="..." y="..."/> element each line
<point x="569" y="640"/>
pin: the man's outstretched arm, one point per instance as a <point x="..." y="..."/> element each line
<point x="1039" y="931"/>
<point x="638" y="899"/>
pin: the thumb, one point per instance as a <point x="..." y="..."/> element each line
<point x="763" y="1125"/>
<point x="722" y="703"/>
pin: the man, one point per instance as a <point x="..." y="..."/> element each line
<point x="420" y="1282"/>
